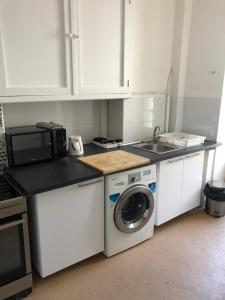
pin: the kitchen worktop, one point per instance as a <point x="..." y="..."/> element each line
<point x="46" y="176"/>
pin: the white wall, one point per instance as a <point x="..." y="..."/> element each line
<point x="205" y="68"/>
<point x="183" y="19"/>
<point x="206" y="59"/>
<point x="201" y="116"/>
<point x="219" y="170"/>
<point x="198" y="63"/>
<point x="79" y="117"/>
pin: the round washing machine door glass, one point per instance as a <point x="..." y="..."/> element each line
<point x="134" y="208"/>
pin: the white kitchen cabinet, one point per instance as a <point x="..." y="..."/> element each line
<point x="192" y="181"/>
<point x="62" y="47"/>
<point x="179" y="186"/>
<point x="67" y="225"/>
<point x="153" y="44"/>
<point x="101" y="46"/>
<point x="169" y="189"/>
<point x="34" y="51"/>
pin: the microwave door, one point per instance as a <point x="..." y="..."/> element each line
<point x="32" y="147"/>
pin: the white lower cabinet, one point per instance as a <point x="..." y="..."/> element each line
<point x="179" y="186"/>
<point x="169" y="189"/>
<point x="67" y="225"/>
<point x="192" y="181"/>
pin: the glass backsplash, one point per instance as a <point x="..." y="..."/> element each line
<point x="3" y="153"/>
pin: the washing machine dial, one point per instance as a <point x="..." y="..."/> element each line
<point x="132" y="178"/>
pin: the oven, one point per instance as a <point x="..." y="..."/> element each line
<point x="15" y="265"/>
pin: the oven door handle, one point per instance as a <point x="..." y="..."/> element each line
<point x="11" y="224"/>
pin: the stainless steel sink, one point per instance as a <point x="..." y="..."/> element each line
<point x="158" y="148"/>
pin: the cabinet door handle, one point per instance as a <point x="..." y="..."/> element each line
<point x="72" y="35"/>
<point x="174" y="160"/>
<point x="69" y="35"/>
<point x="90" y="183"/>
<point x="75" y="36"/>
<point x="193" y="155"/>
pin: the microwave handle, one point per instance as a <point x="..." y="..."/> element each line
<point x="54" y="143"/>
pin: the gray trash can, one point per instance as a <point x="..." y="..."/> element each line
<point x="215" y="198"/>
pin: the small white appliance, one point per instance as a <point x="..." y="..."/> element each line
<point x="75" y="146"/>
<point x="129" y="208"/>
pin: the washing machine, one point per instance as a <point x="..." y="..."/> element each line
<point x="129" y="208"/>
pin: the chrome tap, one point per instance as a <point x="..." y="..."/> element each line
<point x="155" y="136"/>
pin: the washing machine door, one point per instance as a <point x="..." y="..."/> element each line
<point x="134" y="208"/>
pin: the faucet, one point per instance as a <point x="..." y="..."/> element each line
<point x="155" y="136"/>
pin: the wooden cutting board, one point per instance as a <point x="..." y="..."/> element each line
<point x="114" y="161"/>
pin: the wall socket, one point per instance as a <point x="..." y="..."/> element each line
<point x="3" y="152"/>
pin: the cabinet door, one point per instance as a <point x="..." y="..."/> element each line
<point x="34" y="50"/>
<point x="153" y="43"/>
<point x="100" y="46"/>
<point x="169" y="189"/>
<point x="192" y="181"/>
<point x="67" y="225"/>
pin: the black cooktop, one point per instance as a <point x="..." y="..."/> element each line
<point x="6" y="190"/>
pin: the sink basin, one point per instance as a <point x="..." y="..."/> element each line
<point x="158" y="148"/>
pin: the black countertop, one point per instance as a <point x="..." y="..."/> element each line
<point x="46" y="176"/>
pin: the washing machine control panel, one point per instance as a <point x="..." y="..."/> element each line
<point x="149" y="175"/>
<point x="117" y="183"/>
<point x="135" y="177"/>
<point x="146" y="175"/>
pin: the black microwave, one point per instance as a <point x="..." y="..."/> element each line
<point x="29" y="144"/>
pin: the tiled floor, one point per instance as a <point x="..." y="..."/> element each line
<point x="184" y="260"/>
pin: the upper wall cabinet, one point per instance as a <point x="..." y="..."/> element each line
<point x="34" y="51"/>
<point x="153" y="44"/>
<point x="64" y="47"/>
<point x="101" y="46"/>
